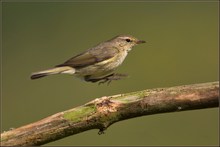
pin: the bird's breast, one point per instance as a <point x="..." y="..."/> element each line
<point x="115" y="61"/>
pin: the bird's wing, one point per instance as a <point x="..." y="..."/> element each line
<point x="91" y="56"/>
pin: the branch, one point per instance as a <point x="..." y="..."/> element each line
<point x="102" y="112"/>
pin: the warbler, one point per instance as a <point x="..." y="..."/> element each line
<point x="97" y="63"/>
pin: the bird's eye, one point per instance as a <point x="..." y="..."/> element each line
<point x="128" y="40"/>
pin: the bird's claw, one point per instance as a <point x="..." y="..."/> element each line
<point x="111" y="77"/>
<point x="107" y="79"/>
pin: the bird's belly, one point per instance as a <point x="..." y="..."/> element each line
<point x="102" y="68"/>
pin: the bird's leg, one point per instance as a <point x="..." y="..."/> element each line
<point x="88" y="79"/>
<point x="108" y="78"/>
<point x="111" y="77"/>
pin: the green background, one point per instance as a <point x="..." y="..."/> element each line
<point x="182" y="49"/>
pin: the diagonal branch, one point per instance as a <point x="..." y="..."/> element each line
<point x="102" y="112"/>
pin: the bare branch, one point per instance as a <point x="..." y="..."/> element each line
<point x="102" y="112"/>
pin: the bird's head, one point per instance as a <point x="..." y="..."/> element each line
<point x="126" y="42"/>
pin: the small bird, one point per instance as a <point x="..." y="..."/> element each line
<point x="97" y="63"/>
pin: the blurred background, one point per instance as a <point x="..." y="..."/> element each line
<point x="182" y="48"/>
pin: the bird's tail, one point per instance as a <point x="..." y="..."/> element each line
<point x="56" y="70"/>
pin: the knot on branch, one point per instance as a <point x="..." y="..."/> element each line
<point x="107" y="111"/>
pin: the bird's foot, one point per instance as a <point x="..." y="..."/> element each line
<point x="107" y="79"/>
<point x="111" y="77"/>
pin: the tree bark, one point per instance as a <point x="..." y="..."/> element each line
<point x="102" y="112"/>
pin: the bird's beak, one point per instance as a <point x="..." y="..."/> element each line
<point x="140" y="41"/>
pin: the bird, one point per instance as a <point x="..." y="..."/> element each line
<point x="96" y="64"/>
